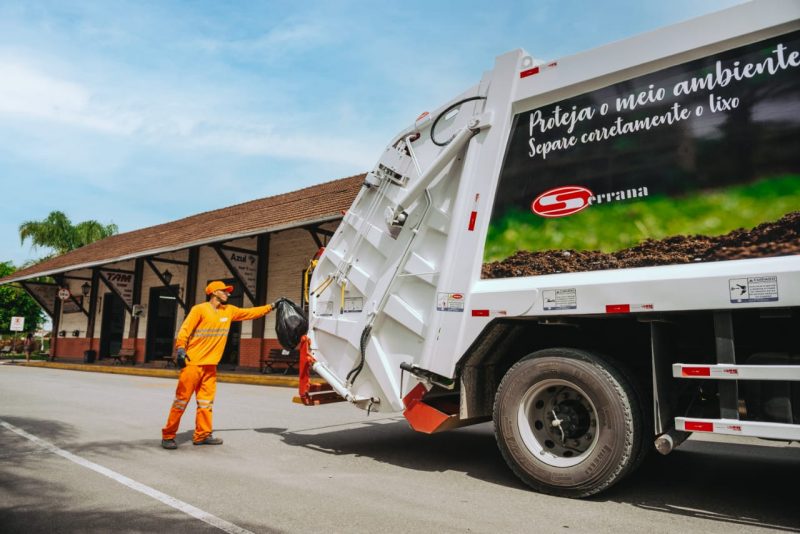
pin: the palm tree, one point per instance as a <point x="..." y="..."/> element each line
<point x="90" y="231"/>
<point x="57" y="232"/>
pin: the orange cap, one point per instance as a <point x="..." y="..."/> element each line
<point x="216" y="285"/>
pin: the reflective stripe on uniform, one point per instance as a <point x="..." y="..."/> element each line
<point x="210" y="332"/>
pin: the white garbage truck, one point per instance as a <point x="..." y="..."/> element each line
<point x="600" y="254"/>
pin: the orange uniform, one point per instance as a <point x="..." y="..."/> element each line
<point x="205" y="330"/>
<point x="203" y="334"/>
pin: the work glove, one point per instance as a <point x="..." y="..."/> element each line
<point x="180" y="358"/>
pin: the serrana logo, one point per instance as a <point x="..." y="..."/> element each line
<point x="561" y="201"/>
<point x="569" y="199"/>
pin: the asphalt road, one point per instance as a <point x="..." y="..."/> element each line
<point x="80" y="452"/>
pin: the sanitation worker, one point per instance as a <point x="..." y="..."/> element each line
<point x="199" y="347"/>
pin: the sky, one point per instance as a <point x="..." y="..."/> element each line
<point x="144" y="112"/>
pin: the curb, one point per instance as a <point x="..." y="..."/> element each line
<point x="258" y="380"/>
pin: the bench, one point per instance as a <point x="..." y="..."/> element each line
<point x="6" y="350"/>
<point x="289" y="358"/>
<point x="124" y="355"/>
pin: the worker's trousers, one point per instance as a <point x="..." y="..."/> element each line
<point x="202" y="381"/>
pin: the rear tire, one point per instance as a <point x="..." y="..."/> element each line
<point x="567" y="422"/>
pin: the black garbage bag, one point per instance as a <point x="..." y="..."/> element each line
<point x="291" y="323"/>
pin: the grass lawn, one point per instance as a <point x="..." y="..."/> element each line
<point x="620" y="225"/>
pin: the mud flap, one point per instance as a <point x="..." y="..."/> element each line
<point x="425" y="418"/>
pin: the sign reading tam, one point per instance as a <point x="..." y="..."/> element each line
<point x="122" y="284"/>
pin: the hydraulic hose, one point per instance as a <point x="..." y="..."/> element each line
<point x="355" y="371"/>
<point x="445" y="112"/>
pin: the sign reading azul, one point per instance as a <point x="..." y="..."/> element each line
<point x="246" y="266"/>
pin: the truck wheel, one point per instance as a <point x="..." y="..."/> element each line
<point x="567" y="422"/>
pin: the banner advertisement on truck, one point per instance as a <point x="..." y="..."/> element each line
<point x="696" y="162"/>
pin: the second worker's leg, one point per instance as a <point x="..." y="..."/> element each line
<point x="206" y="390"/>
<point x="187" y="384"/>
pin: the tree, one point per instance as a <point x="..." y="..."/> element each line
<point x="57" y="232"/>
<point x="15" y="302"/>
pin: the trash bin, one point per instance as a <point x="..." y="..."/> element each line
<point x="89" y="356"/>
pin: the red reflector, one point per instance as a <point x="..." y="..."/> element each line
<point x="696" y="371"/>
<point x="473" y="216"/>
<point x="697" y="426"/>
<point x="480" y="313"/>
<point x="529" y="72"/>
<point x="618" y="308"/>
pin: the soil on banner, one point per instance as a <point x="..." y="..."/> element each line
<point x="780" y="238"/>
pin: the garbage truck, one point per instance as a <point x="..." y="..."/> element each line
<point x="599" y="253"/>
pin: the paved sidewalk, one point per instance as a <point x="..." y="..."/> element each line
<point x="238" y="377"/>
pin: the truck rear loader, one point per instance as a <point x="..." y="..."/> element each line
<point x="599" y="254"/>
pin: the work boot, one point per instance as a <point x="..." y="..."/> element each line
<point x="169" y="444"/>
<point x="209" y="440"/>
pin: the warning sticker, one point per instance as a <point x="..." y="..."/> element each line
<point x="560" y="299"/>
<point x="754" y="289"/>
<point x="353" y="304"/>
<point x="324" y="308"/>
<point x="450" y="302"/>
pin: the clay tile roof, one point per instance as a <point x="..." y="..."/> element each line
<point x="313" y="204"/>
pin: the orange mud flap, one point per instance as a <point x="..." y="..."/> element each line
<point x="311" y="394"/>
<point x="426" y="418"/>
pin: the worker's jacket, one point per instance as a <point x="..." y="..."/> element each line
<point x="205" y="330"/>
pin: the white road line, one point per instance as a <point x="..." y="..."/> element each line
<point x="125" y="481"/>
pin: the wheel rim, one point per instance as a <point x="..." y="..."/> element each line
<point x="558" y="423"/>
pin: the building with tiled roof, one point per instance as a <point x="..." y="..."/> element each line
<point x="129" y="292"/>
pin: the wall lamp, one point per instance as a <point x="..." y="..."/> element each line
<point x="86" y="289"/>
<point x="167" y="276"/>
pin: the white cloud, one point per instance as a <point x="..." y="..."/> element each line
<point x="252" y="139"/>
<point x="28" y="92"/>
<point x="183" y="121"/>
<point x="277" y="42"/>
